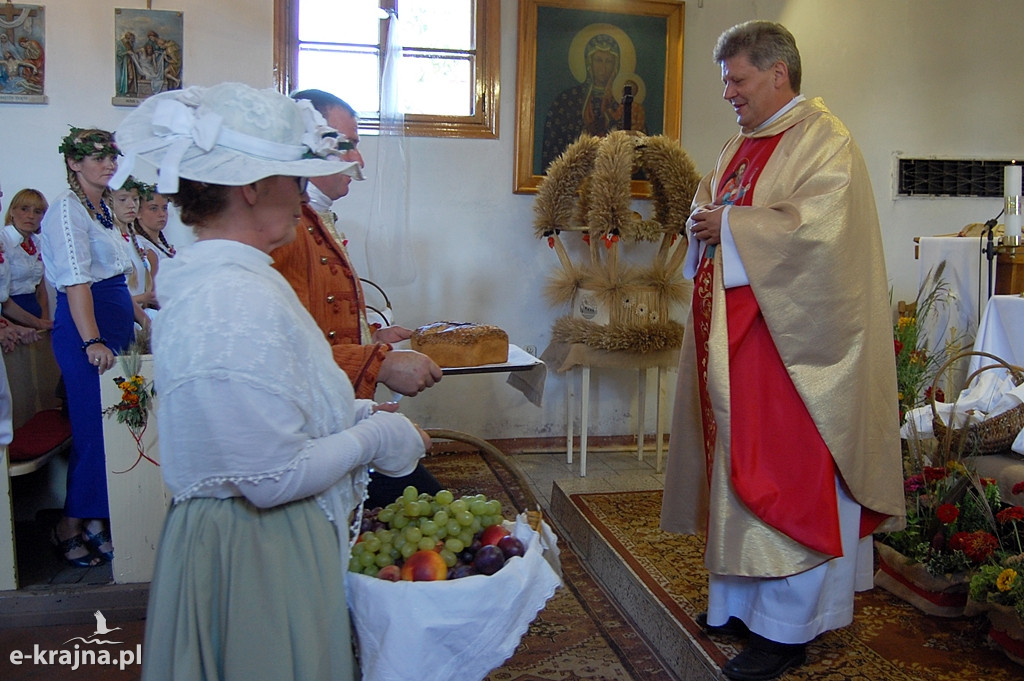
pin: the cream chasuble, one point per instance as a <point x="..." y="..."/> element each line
<point x="811" y="246"/>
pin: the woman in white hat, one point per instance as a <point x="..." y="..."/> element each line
<point x="261" y="440"/>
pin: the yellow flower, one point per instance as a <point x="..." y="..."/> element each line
<point x="904" y="322"/>
<point x="1005" y="580"/>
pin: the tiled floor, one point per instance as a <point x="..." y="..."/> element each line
<point x="608" y="469"/>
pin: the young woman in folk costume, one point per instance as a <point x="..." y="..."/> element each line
<point x="125" y="207"/>
<point x="86" y="260"/>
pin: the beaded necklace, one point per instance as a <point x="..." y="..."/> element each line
<point x="105" y="218"/>
<point x="28" y="245"/>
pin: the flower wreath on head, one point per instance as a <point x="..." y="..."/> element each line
<point x="145" y="191"/>
<point x="76" y="148"/>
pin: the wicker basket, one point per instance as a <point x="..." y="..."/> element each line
<point x="990" y="436"/>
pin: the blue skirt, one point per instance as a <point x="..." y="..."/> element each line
<point x="29" y="303"/>
<point x="87" y="469"/>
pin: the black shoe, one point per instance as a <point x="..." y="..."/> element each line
<point x="732" y="627"/>
<point x="764" y="659"/>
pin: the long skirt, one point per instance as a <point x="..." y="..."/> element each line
<point x="242" y="593"/>
<point x="87" y="469"/>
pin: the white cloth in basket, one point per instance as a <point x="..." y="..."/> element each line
<point x="989" y="395"/>
<point x="459" y="629"/>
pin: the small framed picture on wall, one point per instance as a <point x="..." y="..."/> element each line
<point x="147" y="54"/>
<point x="22" y="54"/>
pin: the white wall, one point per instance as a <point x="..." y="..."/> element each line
<point x="913" y="77"/>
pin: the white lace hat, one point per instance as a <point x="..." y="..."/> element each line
<point x="229" y="134"/>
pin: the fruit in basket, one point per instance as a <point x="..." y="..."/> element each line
<point x="392" y="573"/>
<point x="462" y="570"/>
<point x="493" y="534"/>
<point x="511" y="546"/>
<point x="425" y="565"/>
<point x="489" y="559"/>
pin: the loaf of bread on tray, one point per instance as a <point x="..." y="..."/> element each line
<point x="461" y="344"/>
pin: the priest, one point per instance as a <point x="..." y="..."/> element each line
<point x="785" y="446"/>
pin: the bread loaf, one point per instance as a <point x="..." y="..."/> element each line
<point x="460" y="344"/>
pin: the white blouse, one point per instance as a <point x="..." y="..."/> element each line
<point x="76" y="248"/>
<point x="26" y="270"/>
<point x="250" y="400"/>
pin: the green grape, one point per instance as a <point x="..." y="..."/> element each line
<point x="384" y="534"/>
<point x="428" y="527"/>
<point x="400" y="521"/>
<point x="453" y="527"/>
<point x="371" y="570"/>
<point x="454" y="544"/>
<point x="372" y="544"/>
<point x="410" y="493"/>
<point x="408" y="549"/>
<point x="476" y="525"/>
<point x="450" y="559"/>
<point x="480" y="497"/>
<point x="424" y="508"/>
<point x="464" y="518"/>
<point x="412" y="509"/>
<point x="399" y="540"/>
<point x="359" y="549"/>
<point x="354" y="564"/>
<point x="493" y="508"/>
<point x="458" y="505"/>
<point x="442" y="531"/>
<point x="367" y="559"/>
<point x="466" y="536"/>
<point x="427" y="544"/>
<point x="386" y="515"/>
<point x="444" y="497"/>
<point x="441" y="517"/>
<point x="394" y="553"/>
<point x="412" y="534"/>
<point x="383" y="560"/>
<point x="477" y="507"/>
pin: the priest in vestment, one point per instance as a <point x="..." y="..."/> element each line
<point x="785" y="446"/>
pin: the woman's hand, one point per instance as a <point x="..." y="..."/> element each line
<point x="100" y="356"/>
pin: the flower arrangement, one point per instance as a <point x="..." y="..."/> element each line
<point x="1001" y="582"/>
<point x="951" y="527"/>
<point x="916" y="365"/>
<point x="136" y="397"/>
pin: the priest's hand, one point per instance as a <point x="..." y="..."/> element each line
<point x="706" y="224"/>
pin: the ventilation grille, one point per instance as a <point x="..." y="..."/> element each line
<point x="950" y="177"/>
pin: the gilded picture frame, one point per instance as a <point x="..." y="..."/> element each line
<point x="571" y="51"/>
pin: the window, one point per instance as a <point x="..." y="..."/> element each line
<point x="450" y="59"/>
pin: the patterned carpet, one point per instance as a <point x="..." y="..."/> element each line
<point x="580" y="635"/>
<point x="888" y="640"/>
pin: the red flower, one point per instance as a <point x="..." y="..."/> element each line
<point x="1010" y="514"/>
<point x="1018" y="488"/>
<point x="898" y="346"/>
<point x="978" y="545"/>
<point x="939" y="395"/>
<point x="933" y="473"/>
<point x="947" y="513"/>
<point x="985" y="482"/>
<point x="913" y="484"/>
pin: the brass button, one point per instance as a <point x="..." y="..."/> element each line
<point x="323" y="260"/>
<point x="309" y="229"/>
<point x="330" y="299"/>
<point x="331" y="334"/>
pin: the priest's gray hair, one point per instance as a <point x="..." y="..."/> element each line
<point x="764" y="43"/>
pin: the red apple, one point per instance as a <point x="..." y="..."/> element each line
<point x="424" y="566"/>
<point x="493" y="534"/>
<point x="392" y="573"/>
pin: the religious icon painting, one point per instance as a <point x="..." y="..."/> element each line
<point x="147" y="54"/>
<point x="23" y="53"/>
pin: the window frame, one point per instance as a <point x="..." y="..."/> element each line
<point x="483" y="124"/>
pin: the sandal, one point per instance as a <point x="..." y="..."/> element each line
<point x="65" y="547"/>
<point x="95" y="540"/>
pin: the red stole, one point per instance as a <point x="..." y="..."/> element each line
<point x="781" y="468"/>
